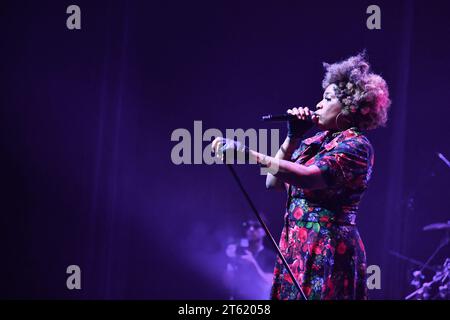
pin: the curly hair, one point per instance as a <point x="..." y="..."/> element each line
<point x="363" y="94"/>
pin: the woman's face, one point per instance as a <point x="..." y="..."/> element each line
<point x="328" y="109"/>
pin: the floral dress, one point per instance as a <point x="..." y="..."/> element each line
<point x="319" y="240"/>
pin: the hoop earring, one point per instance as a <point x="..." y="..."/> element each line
<point x="337" y="125"/>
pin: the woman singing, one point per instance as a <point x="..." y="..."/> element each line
<point x="325" y="177"/>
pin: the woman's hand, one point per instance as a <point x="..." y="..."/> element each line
<point x="296" y="128"/>
<point x="221" y="145"/>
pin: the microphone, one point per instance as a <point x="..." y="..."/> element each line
<point x="285" y="117"/>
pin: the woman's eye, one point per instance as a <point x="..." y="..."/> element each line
<point x="328" y="99"/>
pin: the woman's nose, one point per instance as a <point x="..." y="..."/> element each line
<point x="318" y="106"/>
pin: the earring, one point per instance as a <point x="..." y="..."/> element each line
<point x="337" y="124"/>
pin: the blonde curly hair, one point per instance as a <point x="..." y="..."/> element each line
<point x="363" y="94"/>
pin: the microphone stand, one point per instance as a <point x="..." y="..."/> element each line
<point x="269" y="235"/>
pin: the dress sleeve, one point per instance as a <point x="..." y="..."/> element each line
<point x="298" y="152"/>
<point x="348" y="164"/>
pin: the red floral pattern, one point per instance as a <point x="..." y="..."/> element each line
<point x="320" y="241"/>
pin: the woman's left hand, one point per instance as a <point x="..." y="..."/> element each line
<point x="221" y="145"/>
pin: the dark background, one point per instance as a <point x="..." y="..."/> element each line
<point x="87" y="118"/>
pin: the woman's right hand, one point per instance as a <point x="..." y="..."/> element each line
<point x="296" y="128"/>
<point x="302" y="113"/>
